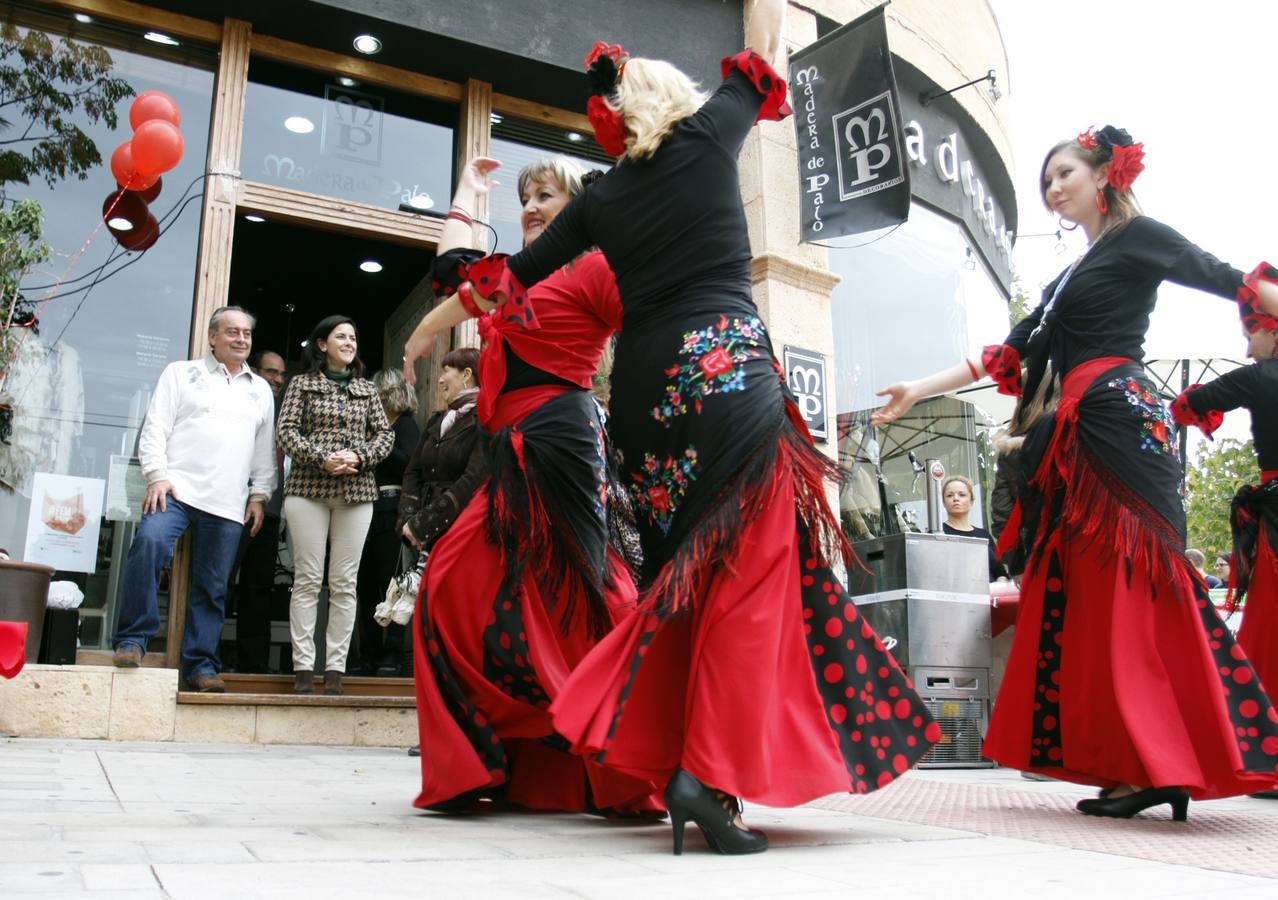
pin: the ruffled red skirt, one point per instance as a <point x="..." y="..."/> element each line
<point x="1258" y="635"/>
<point x="770" y="687"/>
<point x="1121" y="670"/>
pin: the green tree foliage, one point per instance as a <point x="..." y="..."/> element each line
<point x="21" y="247"/>
<point x="42" y="86"/>
<point x="1210" y="485"/>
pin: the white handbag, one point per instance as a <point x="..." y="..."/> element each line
<point x="401" y="595"/>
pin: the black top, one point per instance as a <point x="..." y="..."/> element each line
<point x="676" y="209"/>
<point x="391" y="469"/>
<point x="1104" y="308"/>
<point x="997" y="570"/>
<point x="1254" y="387"/>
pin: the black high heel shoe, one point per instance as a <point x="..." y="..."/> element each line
<point x="714" y="813"/>
<point x="1128" y="805"/>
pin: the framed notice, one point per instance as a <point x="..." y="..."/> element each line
<point x="805" y="373"/>
<point x="65" y="518"/>
<point x="125" y="489"/>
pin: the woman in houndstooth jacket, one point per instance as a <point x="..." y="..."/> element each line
<point x="333" y="427"/>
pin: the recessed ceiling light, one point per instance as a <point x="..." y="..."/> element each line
<point x="83" y="19"/>
<point x="119" y="223"/>
<point x="160" y="38"/>
<point x="367" y="44"/>
<point x="299" y="124"/>
<point x="253" y="217"/>
<point x="574" y="137"/>
<point x="421" y="201"/>
<point x="346" y="81"/>
<point x="371" y="266"/>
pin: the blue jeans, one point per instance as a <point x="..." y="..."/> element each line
<point x="213" y="546"/>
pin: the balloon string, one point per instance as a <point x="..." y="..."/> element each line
<point x="52" y="292"/>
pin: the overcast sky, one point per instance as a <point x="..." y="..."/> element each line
<point x="1195" y="83"/>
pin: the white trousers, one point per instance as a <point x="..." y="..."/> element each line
<point x="340" y="527"/>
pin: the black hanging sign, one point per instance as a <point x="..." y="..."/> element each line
<point x="853" y="172"/>
<point x="805" y="374"/>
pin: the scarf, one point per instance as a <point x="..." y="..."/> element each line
<point x="463" y="403"/>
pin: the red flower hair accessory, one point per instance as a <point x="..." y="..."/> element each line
<point x="1127" y="163"/>
<point x="1116" y="147"/>
<point x="604" y="65"/>
<point x="1086" y="139"/>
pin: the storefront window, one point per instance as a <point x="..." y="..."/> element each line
<point x="331" y="135"/>
<point x="108" y="321"/>
<point x="910" y="303"/>
<point x="517" y="143"/>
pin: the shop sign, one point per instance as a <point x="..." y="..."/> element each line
<point x="63" y="524"/>
<point x="805" y="374"/>
<point x="853" y="174"/>
<point x="352" y="125"/>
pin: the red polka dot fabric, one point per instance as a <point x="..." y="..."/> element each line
<point x="765" y="80"/>
<point x="882" y="725"/>
<point x="1249" y="311"/>
<point x="490" y="275"/>
<point x="1045" y="746"/>
<point x="1184" y="414"/>
<point x="1003" y="364"/>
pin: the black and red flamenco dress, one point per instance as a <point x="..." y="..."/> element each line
<point x="522" y="585"/>
<point x="745" y="664"/>
<point x="1253" y="570"/>
<point x="1121" y="670"/>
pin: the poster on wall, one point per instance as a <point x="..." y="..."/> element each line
<point x="126" y="486"/>
<point x="63" y="525"/>
<point x="805" y="373"/>
<point x="853" y="172"/>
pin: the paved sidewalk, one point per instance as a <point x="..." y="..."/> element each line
<point x="108" y="819"/>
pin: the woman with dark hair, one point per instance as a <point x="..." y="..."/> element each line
<point x="1122" y="675"/>
<point x="333" y="427"/>
<point x="523" y="584"/>
<point x="746" y="666"/>
<point x="382" y="650"/>
<point x="1253" y="569"/>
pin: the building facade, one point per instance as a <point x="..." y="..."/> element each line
<point x="316" y="174"/>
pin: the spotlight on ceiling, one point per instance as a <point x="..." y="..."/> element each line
<point x="371" y="266"/>
<point x="83" y="19"/>
<point x="254" y="218"/>
<point x="367" y="44"/>
<point x="575" y="137"/>
<point x="346" y="81"/>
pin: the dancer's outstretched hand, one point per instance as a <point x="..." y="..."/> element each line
<point x="902" y="396"/>
<point x="418" y="345"/>
<point x="474" y="177"/>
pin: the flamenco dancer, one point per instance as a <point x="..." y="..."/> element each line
<point x="1254" y="511"/>
<point x="1121" y="675"/>
<point x="522" y="584"/>
<point x="745" y="671"/>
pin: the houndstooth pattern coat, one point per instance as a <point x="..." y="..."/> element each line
<point x="317" y="418"/>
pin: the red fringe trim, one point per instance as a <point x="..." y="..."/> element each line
<point x="712" y="546"/>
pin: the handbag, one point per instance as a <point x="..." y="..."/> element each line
<point x="401" y="593"/>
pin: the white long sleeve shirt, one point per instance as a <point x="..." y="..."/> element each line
<point x="211" y="435"/>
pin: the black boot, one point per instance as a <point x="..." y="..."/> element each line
<point x="715" y="814"/>
<point x="304" y="682"/>
<point x="333" y="682"/>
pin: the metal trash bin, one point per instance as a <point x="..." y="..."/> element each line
<point x="927" y="596"/>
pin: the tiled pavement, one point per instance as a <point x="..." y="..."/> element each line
<point x="109" y="819"/>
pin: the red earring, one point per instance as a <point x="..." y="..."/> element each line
<point x="1102" y="202"/>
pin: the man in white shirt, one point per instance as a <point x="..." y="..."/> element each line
<point x="207" y="449"/>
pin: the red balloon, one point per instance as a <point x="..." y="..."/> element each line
<point x="157" y="147"/>
<point x="148" y="194"/>
<point x="125" y="171"/>
<point x="140" y="239"/>
<point x="124" y="206"/>
<point x="154" y="105"/>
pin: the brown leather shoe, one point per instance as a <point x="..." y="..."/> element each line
<point x="206" y="684"/>
<point x="127" y="656"/>
<point x="304" y="682"/>
<point x="333" y="682"/>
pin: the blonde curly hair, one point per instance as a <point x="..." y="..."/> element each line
<point x="653" y="97"/>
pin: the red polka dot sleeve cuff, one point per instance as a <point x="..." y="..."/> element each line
<point x="1249" y="311"/>
<point x="1003" y="364"/>
<point x="490" y="276"/>
<point x="1183" y="413"/>
<point x="765" y="80"/>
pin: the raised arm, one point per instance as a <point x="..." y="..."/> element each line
<point x="763" y="30"/>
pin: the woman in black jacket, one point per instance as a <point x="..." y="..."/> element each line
<point x="449" y="461"/>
